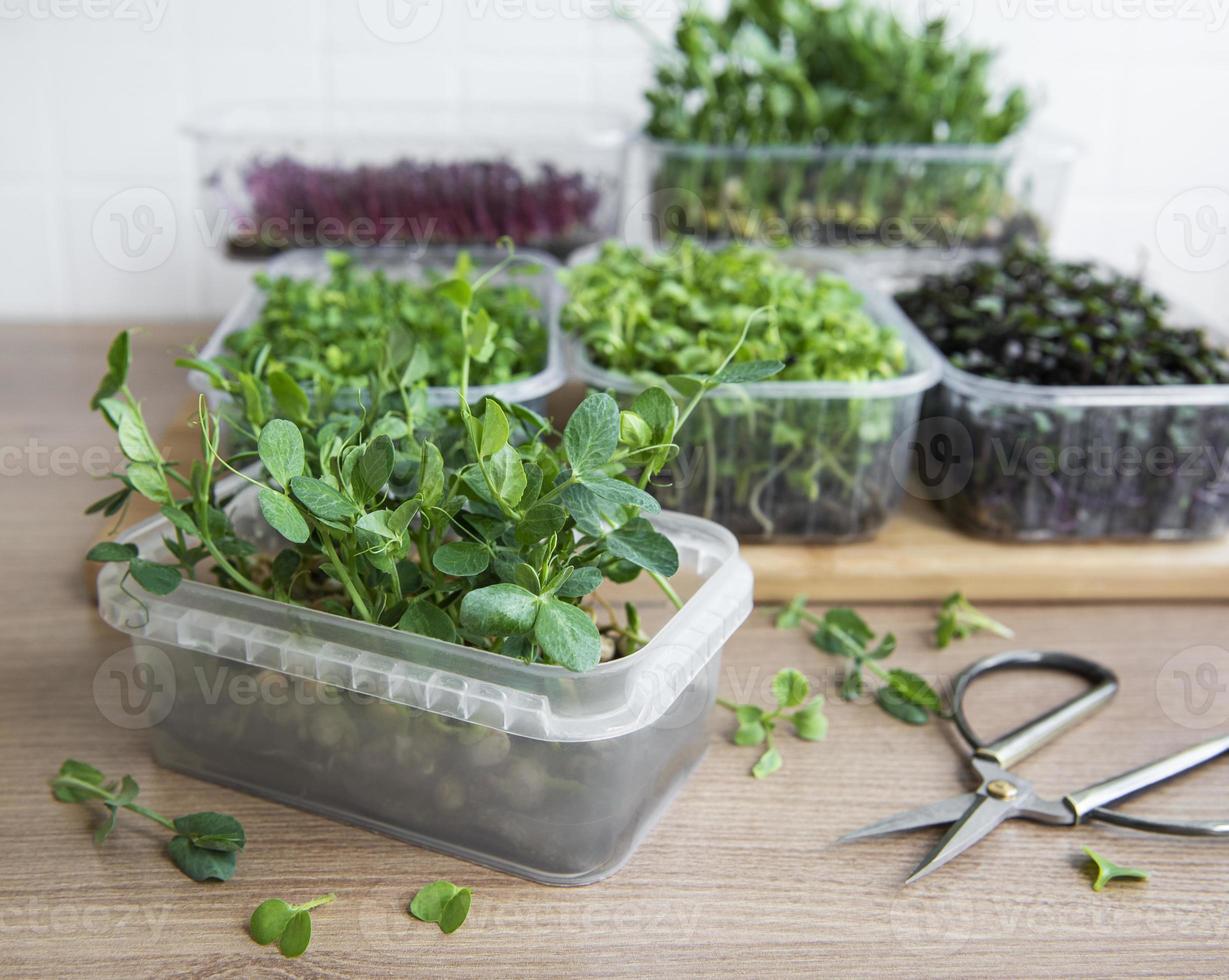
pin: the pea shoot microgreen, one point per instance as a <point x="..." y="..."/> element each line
<point x="497" y="540"/>
<point x="443" y="903"/>
<point x="290" y="926"/>
<point x="958" y="618"/>
<point x="843" y="633"/>
<point x="1107" y="871"/>
<point x="757" y="726"/>
<point x="203" y="846"/>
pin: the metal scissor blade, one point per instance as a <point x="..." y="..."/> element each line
<point x="945" y="811"/>
<point x="978" y="820"/>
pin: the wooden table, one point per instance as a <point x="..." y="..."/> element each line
<point x="740" y="877"/>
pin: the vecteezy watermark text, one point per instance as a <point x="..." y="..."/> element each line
<point x="147" y="13"/>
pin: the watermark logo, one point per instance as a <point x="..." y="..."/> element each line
<point x="1192" y="687"/>
<point x="147" y="13"/>
<point x="957" y="14"/>
<point x="667" y="691"/>
<point x="401" y="21"/>
<point x="664" y="218"/>
<point x="135" y="688"/>
<point x="933" y="458"/>
<point x="1192" y="229"/>
<point x="135" y="230"/>
<point x="1212" y="16"/>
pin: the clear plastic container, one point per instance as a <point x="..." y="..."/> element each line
<point x="792" y="460"/>
<point x="528" y="769"/>
<point x="1080" y="463"/>
<point x="895" y="197"/>
<point x="396" y="262"/>
<point x="285" y="174"/>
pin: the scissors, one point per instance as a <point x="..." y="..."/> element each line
<point x="1003" y="795"/>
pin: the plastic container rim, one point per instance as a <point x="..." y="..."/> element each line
<point x="1050" y="144"/>
<point x="601" y="126"/>
<point x="196" y="587"/>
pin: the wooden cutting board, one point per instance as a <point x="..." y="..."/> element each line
<point x="919" y="557"/>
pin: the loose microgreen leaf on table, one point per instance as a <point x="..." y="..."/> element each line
<point x="290" y="926"/>
<point x="958" y="618"/>
<point x="843" y="633"/>
<point x="442" y="902"/>
<point x="203" y="846"/>
<point x="1107" y="871"/>
<point x="757" y="726"/>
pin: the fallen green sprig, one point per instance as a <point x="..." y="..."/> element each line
<point x="204" y="846"/>
<point x="756" y="726"/>
<point x="958" y="618"/>
<point x="443" y="903"/>
<point x="843" y="633"/>
<point x="1107" y="870"/>
<point x="290" y="926"/>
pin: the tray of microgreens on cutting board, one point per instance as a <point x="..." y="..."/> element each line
<point x="918" y="556"/>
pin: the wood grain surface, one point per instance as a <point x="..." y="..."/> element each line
<point x="741" y="877"/>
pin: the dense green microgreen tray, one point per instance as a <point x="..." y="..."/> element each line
<point x="781" y="461"/>
<point x="334" y="333"/>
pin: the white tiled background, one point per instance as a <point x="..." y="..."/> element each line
<point x="92" y="94"/>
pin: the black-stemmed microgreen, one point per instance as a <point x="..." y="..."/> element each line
<point x="203" y="846"/>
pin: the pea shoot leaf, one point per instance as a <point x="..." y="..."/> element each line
<point x="153" y="577"/>
<point x="592" y="434"/>
<point x="201" y="863"/>
<point x="748" y="372"/>
<point x="790" y="688"/>
<point x="281" y="450"/>
<point x="768" y="763"/>
<point x="567" y="635"/>
<point x="580" y="582"/>
<point x="297" y="935"/>
<point x="321" y="499"/>
<point x="423" y="617"/>
<point x="456" y="911"/>
<point x="429" y="902"/>
<point x="494" y="429"/>
<point x="461" y="558"/>
<point x="283" y="516"/>
<point x="111" y="551"/>
<point x="640" y="543"/>
<point x="500" y="610"/>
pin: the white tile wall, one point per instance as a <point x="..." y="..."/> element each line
<point x="93" y="92"/>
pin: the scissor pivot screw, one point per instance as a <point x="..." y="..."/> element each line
<point x="1001" y="789"/>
